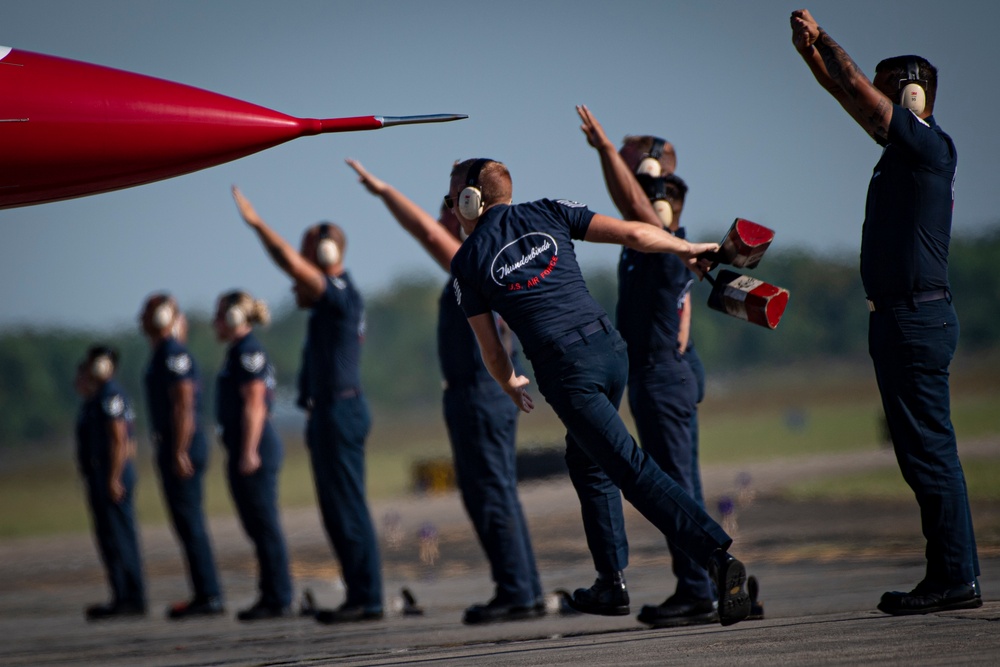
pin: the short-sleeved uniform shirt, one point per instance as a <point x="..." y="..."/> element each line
<point x="170" y="364"/>
<point x="651" y="290"/>
<point x="245" y="362"/>
<point x="520" y="263"/>
<point x="907" y="229"/>
<point x="109" y="404"/>
<point x="332" y="353"/>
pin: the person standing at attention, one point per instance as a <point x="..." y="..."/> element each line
<point x="173" y="396"/>
<point x="105" y="454"/>
<point x="244" y="393"/>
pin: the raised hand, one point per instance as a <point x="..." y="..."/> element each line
<point x="374" y="185"/>
<point x="805" y="30"/>
<point x="592" y="129"/>
<point x="246" y="210"/>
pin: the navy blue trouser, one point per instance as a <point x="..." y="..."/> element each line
<point x="482" y="429"/>
<point x="184" y="503"/>
<point x="335" y="435"/>
<point x="694" y="361"/>
<point x="256" y="499"/>
<point x="117" y="536"/>
<point x="662" y="393"/>
<point x="912" y="347"/>
<point x="584" y="385"/>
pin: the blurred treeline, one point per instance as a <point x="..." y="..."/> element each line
<point x="825" y="321"/>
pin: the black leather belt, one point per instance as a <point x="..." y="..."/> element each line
<point x="915" y="298"/>
<point x="560" y="344"/>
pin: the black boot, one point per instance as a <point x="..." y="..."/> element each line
<point x="730" y="577"/>
<point x="607" y="597"/>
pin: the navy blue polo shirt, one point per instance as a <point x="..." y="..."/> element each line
<point x="907" y="229"/>
<point x="520" y="262"/>
<point x="170" y="364"/>
<point x="331" y="356"/>
<point x="109" y="404"/>
<point x="245" y="362"/>
<point x="651" y="290"/>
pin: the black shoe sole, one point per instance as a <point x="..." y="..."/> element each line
<point x="973" y="603"/>
<point x="734" y="601"/>
<point x="623" y="610"/>
<point x="678" y="621"/>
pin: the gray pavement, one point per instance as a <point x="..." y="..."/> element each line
<point x="822" y="567"/>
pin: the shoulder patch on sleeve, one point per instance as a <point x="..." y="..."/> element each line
<point x="339" y="283"/>
<point x="114" y="406"/>
<point x="179" y="364"/>
<point x="253" y="361"/>
<point x="458" y="292"/>
<point x="569" y="203"/>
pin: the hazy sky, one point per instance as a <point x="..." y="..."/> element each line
<point x="755" y="136"/>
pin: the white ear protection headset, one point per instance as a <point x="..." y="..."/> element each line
<point x="327" y="252"/>
<point x="470" y="200"/>
<point x="913" y="96"/>
<point x="235" y="317"/>
<point x="102" y="367"/>
<point x="650" y="163"/>
<point x="664" y="211"/>
<point x="656" y="190"/>
<point x="164" y="314"/>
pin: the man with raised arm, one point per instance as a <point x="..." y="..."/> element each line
<point x="330" y="392"/>
<point x="519" y="262"/>
<point x="482" y="425"/>
<point x="912" y="326"/>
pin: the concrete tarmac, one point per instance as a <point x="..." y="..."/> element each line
<point x="821" y="565"/>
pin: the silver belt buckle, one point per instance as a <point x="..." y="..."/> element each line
<point x="871" y="305"/>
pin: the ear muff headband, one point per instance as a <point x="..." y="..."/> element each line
<point x="656" y="189"/>
<point x="327" y="252"/>
<point x="235" y="317"/>
<point x="163" y="315"/>
<point x="664" y="211"/>
<point x="470" y="200"/>
<point x="650" y="164"/>
<point x="913" y="95"/>
<point x="102" y="367"/>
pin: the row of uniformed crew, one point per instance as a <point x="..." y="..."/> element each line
<point x="105" y="441"/>
<point x="338" y="424"/>
<point x="654" y="309"/>
<point x="518" y="262"/>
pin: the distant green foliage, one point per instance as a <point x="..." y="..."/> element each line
<point x="399" y="360"/>
<point x="826" y="319"/>
<point x="826" y="316"/>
